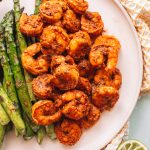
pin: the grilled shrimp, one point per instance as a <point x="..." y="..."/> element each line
<point x="79" y="46"/>
<point x="71" y="22"/>
<point x="92" y="117"/>
<point x="54" y="39"/>
<point x="44" y="113"/>
<point x="67" y="77"/>
<point x="105" y="97"/>
<point x="84" y="85"/>
<point x="76" y="104"/>
<point x="59" y="59"/>
<point x="68" y="132"/>
<point x="84" y="68"/>
<point x="105" y="51"/>
<point x="43" y="87"/>
<point x="91" y="22"/>
<point x="52" y="11"/>
<point x="79" y="6"/>
<point x="108" y="78"/>
<point x="34" y="66"/>
<point x="31" y="25"/>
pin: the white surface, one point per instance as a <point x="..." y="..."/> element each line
<point x="130" y="63"/>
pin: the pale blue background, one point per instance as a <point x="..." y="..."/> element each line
<point x="140" y="121"/>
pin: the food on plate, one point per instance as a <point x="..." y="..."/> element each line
<point x="68" y="132"/>
<point x="71" y="22"/>
<point x="44" y="113"/>
<point x="91" y="22"/>
<point x="104" y="97"/>
<point x="91" y="118"/>
<point x="31" y="25"/>
<point x="35" y="66"/>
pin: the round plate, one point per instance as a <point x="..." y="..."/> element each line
<point x="117" y="23"/>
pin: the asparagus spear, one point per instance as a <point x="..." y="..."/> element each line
<point x="37" y="4"/>
<point x="2" y="134"/>
<point x="21" y="86"/>
<point x="11" y="111"/>
<point x="4" y="119"/>
<point x="50" y="132"/>
<point x="22" y="46"/>
<point x="40" y="134"/>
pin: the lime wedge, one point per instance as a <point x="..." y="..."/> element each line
<point x="132" y="145"/>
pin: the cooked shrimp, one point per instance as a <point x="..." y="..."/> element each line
<point x="58" y="24"/>
<point x="70" y="21"/>
<point x="44" y="113"/>
<point x="67" y="77"/>
<point x="31" y="25"/>
<point x="92" y="117"/>
<point x="79" y="46"/>
<point x="105" y="97"/>
<point x="68" y="132"/>
<point x="76" y="104"/>
<point x="105" y="51"/>
<point x="84" y="85"/>
<point x="43" y="87"/>
<point x="55" y="39"/>
<point x="84" y="67"/>
<point x="91" y="22"/>
<point x="79" y="6"/>
<point x="34" y="66"/>
<point x="109" y="78"/>
<point x="51" y="11"/>
<point x="59" y="59"/>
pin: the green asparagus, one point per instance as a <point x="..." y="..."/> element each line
<point x="2" y="134"/>
<point x="40" y="134"/>
<point x="10" y="108"/>
<point x="21" y="86"/>
<point x="50" y="132"/>
<point x="37" y="4"/>
<point x="4" y="119"/>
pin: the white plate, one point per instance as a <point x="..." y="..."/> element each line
<point x="117" y="23"/>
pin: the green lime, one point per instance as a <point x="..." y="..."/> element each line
<point x="132" y="145"/>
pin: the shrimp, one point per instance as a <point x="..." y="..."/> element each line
<point x="79" y="46"/>
<point x="51" y="11"/>
<point x="31" y="25"/>
<point x="59" y="59"/>
<point x="76" y="104"/>
<point x="43" y="87"/>
<point x="71" y="22"/>
<point x="68" y="132"/>
<point x="105" y="51"/>
<point x="108" y="78"/>
<point x="55" y="39"/>
<point x="67" y="77"/>
<point x="84" y="85"/>
<point x="84" y="68"/>
<point x="44" y="113"/>
<point x="92" y="117"/>
<point x="91" y="22"/>
<point x="79" y="6"/>
<point x="34" y="66"/>
<point x="105" y="97"/>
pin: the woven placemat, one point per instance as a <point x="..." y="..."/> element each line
<point x="139" y="11"/>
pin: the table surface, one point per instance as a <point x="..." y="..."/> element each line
<point x="140" y="121"/>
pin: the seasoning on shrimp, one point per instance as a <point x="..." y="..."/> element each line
<point x="104" y="97"/>
<point x="71" y="22"/>
<point x="31" y="25"/>
<point x="76" y="104"/>
<point x="55" y="39"/>
<point x="79" y="6"/>
<point x="34" y="66"/>
<point x="44" y="113"/>
<point x="91" y="22"/>
<point x="68" y="132"/>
